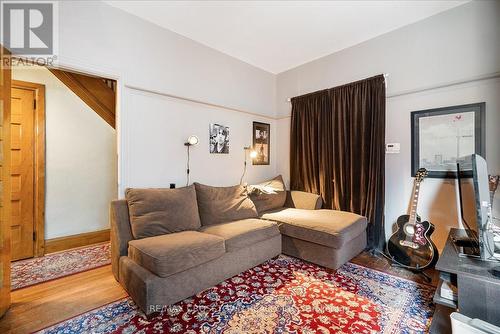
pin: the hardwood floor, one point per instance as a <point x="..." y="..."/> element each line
<point x="42" y="305"/>
<point x="380" y="263"/>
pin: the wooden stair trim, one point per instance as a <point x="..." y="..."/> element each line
<point x="93" y="91"/>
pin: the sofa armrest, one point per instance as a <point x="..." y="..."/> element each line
<point x="121" y="233"/>
<point x="303" y="200"/>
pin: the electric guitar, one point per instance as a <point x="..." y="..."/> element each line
<point x="411" y="246"/>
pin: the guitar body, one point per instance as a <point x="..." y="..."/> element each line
<point x="411" y="245"/>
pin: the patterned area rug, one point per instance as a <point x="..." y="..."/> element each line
<point x="284" y="295"/>
<point x="25" y="273"/>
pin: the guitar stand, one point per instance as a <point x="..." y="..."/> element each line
<point x="427" y="278"/>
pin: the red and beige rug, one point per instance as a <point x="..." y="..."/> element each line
<point x="29" y="272"/>
<point x="283" y="295"/>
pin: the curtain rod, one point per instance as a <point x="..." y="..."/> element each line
<point x="442" y="85"/>
<point x="386" y="75"/>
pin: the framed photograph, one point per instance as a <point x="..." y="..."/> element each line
<point x="219" y="139"/>
<point x="260" y="143"/>
<point x="444" y="136"/>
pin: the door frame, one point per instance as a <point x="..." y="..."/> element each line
<point x="5" y="228"/>
<point x="39" y="163"/>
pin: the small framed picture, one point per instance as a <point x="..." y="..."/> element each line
<point x="443" y="137"/>
<point x="260" y="143"/>
<point x="219" y="139"/>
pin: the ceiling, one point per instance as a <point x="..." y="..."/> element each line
<point x="279" y="35"/>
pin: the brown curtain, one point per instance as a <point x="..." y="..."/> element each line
<point x="337" y="150"/>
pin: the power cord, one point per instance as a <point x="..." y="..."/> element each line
<point x="244" y="169"/>
<point x="187" y="170"/>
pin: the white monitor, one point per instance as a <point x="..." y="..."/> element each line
<point x="483" y="206"/>
<point x="475" y="209"/>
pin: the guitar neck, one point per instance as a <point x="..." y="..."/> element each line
<point x="414" y="202"/>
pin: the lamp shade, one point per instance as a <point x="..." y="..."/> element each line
<point x="253" y="154"/>
<point x="192" y="140"/>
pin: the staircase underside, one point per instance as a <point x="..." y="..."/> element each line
<point x="97" y="93"/>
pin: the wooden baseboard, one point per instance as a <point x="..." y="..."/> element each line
<point x="77" y="240"/>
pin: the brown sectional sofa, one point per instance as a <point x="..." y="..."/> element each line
<point x="162" y="252"/>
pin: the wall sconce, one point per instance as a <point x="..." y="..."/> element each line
<point x="191" y="141"/>
<point x="253" y="155"/>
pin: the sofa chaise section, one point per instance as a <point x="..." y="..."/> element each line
<point x="329" y="238"/>
<point x="325" y="237"/>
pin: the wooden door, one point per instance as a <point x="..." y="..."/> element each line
<point x="5" y="82"/>
<point x="22" y="157"/>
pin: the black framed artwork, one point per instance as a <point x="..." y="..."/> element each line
<point x="443" y="137"/>
<point x="260" y="143"/>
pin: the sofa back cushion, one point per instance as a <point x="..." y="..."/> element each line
<point x="159" y="211"/>
<point x="223" y="204"/>
<point x="269" y="195"/>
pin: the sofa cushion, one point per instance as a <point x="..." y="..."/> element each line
<point x="223" y="204"/>
<point x="169" y="254"/>
<point x="303" y="200"/>
<point x="268" y="195"/>
<point x="159" y="211"/>
<point x="330" y="228"/>
<point x="243" y="233"/>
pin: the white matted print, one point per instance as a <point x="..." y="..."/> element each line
<point x="444" y="139"/>
<point x="219" y="139"/>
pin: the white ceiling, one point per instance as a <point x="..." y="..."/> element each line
<point x="279" y="35"/>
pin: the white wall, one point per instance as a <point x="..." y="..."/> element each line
<point x="96" y="37"/>
<point x="160" y="131"/>
<point x="81" y="161"/>
<point x="458" y="44"/>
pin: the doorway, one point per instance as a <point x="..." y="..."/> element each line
<point x="68" y="176"/>
<point x="42" y="96"/>
<point x="27" y="165"/>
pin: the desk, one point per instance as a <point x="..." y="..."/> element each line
<point x="478" y="289"/>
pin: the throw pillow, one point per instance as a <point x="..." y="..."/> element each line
<point x="223" y="204"/>
<point x="160" y="211"/>
<point x="268" y="195"/>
